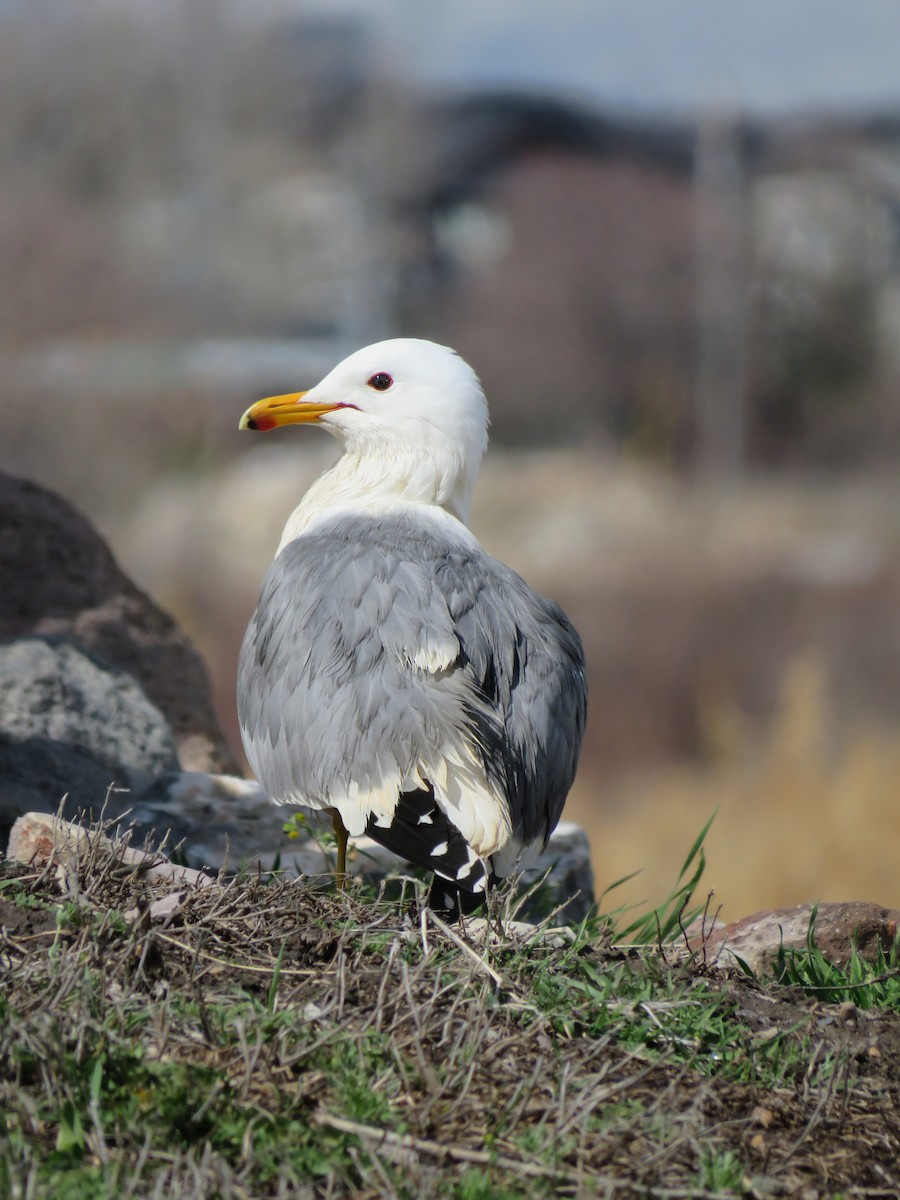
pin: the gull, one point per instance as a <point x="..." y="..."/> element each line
<point x="394" y="673"/>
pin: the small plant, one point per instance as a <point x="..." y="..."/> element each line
<point x="296" y="825"/>
<point x="299" y="825"/>
<point x="70" y="915"/>
<point x="721" y="1172"/>
<point x="479" y="1184"/>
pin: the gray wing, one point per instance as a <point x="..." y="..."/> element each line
<point x="331" y="690"/>
<point x="527" y="663"/>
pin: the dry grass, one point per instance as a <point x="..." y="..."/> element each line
<point x="805" y="810"/>
<point x="271" y="1038"/>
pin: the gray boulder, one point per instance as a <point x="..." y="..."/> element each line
<point x="60" y="580"/>
<point x="72" y="725"/>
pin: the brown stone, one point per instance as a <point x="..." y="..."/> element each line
<point x="757" y="939"/>
<point x="60" y="579"/>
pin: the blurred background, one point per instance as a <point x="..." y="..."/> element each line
<point x="667" y="238"/>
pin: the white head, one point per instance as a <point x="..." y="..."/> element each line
<point x="410" y="414"/>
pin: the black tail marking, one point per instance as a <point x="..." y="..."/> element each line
<point x="422" y="833"/>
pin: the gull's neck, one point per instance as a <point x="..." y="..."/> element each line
<point x="395" y="477"/>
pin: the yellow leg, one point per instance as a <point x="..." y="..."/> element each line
<point x="341" y="834"/>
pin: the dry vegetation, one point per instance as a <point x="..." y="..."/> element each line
<point x="805" y="807"/>
<point x="271" y="1038"/>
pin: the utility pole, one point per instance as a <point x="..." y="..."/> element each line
<point x="720" y="240"/>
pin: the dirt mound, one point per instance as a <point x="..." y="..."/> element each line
<point x="266" y="1035"/>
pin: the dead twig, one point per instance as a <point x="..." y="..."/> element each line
<point x="406" y="1143"/>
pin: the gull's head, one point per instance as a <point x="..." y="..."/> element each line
<point x="404" y="407"/>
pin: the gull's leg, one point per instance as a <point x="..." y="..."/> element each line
<point x="341" y="834"/>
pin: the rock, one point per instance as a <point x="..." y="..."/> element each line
<point x="223" y="820"/>
<point x="526" y="933"/>
<point x="568" y="859"/>
<point x="757" y="939"/>
<point x="72" y="725"/>
<point x="39" y="838"/>
<point x="60" y="579"/>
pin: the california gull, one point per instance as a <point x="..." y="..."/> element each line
<point x="393" y="671"/>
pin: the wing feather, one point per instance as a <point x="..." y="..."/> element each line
<point x="384" y="653"/>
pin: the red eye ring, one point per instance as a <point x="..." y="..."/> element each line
<point x="380" y="381"/>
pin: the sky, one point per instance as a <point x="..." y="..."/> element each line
<point x="767" y="56"/>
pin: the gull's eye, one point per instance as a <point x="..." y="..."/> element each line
<point x="380" y="381"/>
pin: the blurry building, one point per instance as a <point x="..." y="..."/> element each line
<point x="649" y="286"/>
<point x="554" y="249"/>
<point x="602" y="272"/>
<point x="825" y="229"/>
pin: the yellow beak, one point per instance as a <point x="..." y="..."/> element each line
<point x="284" y="410"/>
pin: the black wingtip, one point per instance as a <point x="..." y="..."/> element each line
<point x="450" y="902"/>
<point x="422" y="833"/>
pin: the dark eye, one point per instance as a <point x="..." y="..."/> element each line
<point x="380" y="381"/>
